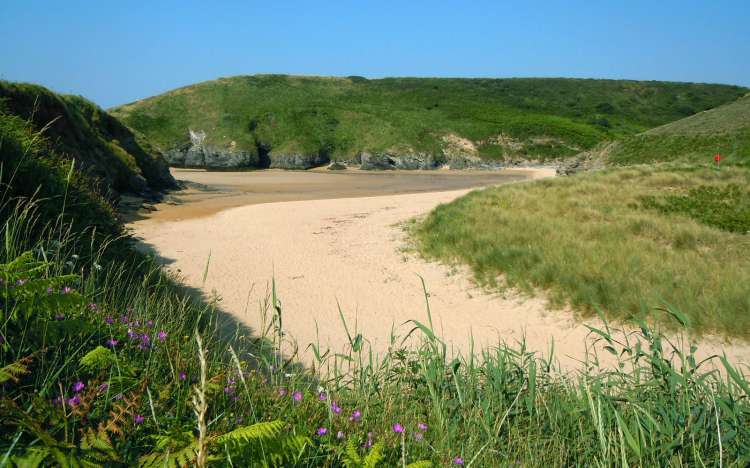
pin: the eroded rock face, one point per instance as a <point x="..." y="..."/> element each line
<point x="377" y="161"/>
<point x="211" y="157"/>
<point x="297" y="161"/>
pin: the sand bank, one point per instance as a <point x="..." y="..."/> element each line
<point x="349" y="252"/>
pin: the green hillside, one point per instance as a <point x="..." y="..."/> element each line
<point x="724" y="130"/>
<point x="489" y="118"/>
<point x="75" y="128"/>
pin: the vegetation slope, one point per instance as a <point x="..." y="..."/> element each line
<point x="627" y="239"/>
<point x="491" y="118"/>
<point x="79" y="130"/>
<point x="724" y="130"/>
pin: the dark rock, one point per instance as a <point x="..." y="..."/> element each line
<point x="210" y="157"/>
<point x="377" y="161"/>
<point x="297" y="161"/>
<point x="417" y="161"/>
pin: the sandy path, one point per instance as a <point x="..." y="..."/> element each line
<point x="349" y="250"/>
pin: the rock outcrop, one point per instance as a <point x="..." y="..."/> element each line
<point x="297" y="160"/>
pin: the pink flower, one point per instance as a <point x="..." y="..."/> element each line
<point x="297" y="396"/>
<point x="322" y="396"/>
<point x="162" y="335"/>
<point x="103" y="388"/>
<point x="75" y="401"/>
<point x="138" y="419"/>
<point x="78" y="386"/>
<point x="335" y="408"/>
<point x="356" y="416"/>
<point x="183" y="376"/>
<point x="282" y="391"/>
<point x="458" y="461"/>
<point x="112" y="342"/>
<point x="340" y="435"/>
<point x="321" y="431"/>
<point x="109" y="320"/>
<point x="422" y="426"/>
<point x="397" y="428"/>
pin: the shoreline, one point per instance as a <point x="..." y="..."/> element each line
<point x="349" y="252"/>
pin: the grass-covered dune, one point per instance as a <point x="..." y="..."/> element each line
<point x="490" y="118"/>
<point x="76" y="129"/>
<point x="622" y="240"/>
<point x="724" y="130"/>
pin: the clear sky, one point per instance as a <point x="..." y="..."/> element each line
<point x="114" y="52"/>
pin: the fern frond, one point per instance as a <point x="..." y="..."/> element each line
<point x="374" y="457"/>
<point x="420" y="464"/>
<point x="16" y="369"/>
<point x="256" y="432"/>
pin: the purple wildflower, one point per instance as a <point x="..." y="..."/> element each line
<point x="162" y="335"/>
<point x="109" y="320"/>
<point x="150" y="323"/>
<point x="458" y="461"/>
<point x="335" y="408"/>
<point x="282" y="391"/>
<point x="356" y="416"/>
<point x="228" y="390"/>
<point x="340" y="435"/>
<point x="297" y="396"/>
<point x="74" y="401"/>
<point x="50" y="290"/>
<point x="103" y="388"/>
<point x="123" y="319"/>
<point x="321" y="431"/>
<point x="183" y="376"/>
<point x="322" y="396"/>
<point x="422" y="426"/>
<point x="138" y="419"/>
<point x="131" y="334"/>
<point x="145" y="338"/>
<point x="78" y="386"/>
<point x="112" y="342"/>
<point x="93" y="306"/>
<point x="397" y="428"/>
<point x="66" y="290"/>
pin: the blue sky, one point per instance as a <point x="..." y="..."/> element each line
<point x="117" y="51"/>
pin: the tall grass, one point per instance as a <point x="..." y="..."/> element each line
<point x="203" y="390"/>
<point x="592" y="241"/>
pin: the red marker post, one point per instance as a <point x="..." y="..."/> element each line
<point x="717" y="158"/>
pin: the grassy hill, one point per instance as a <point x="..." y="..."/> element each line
<point x="668" y="229"/>
<point x="489" y="118"/>
<point x="724" y="130"/>
<point x="75" y="128"/>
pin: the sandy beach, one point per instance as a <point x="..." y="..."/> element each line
<point x="325" y="251"/>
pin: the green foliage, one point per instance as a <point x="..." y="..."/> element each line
<point x="352" y="459"/>
<point x="696" y="139"/>
<point x="588" y="243"/>
<point x="341" y="116"/>
<point x="80" y="130"/>
<point x="726" y="208"/>
<point x="98" y="359"/>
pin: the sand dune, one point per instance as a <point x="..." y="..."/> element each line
<point x="349" y="252"/>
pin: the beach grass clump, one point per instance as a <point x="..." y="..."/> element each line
<point x="623" y="241"/>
